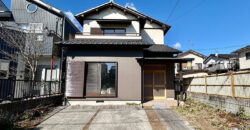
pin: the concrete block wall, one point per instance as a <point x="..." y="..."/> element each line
<point x="225" y="102"/>
<point x="16" y="107"/>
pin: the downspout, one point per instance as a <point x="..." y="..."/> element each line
<point x="142" y="80"/>
<point x="61" y="59"/>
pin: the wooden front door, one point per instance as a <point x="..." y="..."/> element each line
<point x="155" y="84"/>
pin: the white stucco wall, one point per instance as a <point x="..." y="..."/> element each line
<point x="217" y="60"/>
<point x="196" y="60"/>
<point x="244" y="62"/>
<point x="153" y="33"/>
<point x="111" y="14"/>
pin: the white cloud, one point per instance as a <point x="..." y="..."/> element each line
<point x="131" y="5"/>
<point x="71" y="16"/>
<point x="177" y="45"/>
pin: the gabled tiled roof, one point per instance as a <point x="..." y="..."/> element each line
<point x="221" y="56"/>
<point x="246" y="48"/>
<point x="4" y="11"/>
<point x="162" y="49"/>
<point x="105" y="42"/>
<point x="192" y="52"/>
<point x="3" y="7"/>
<point x="80" y="16"/>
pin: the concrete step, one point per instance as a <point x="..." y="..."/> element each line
<point x="167" y="103"/>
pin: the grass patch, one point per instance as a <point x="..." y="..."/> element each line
<point x="133" y="104"/>
<point x="203" y="116"/>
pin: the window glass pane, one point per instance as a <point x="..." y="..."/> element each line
<point x="25" y="27"/>
<point x="114" y="31"/>
<point x="108" y="75"/>
<point x="36" y="27"/>
<point x="108" y="31"/>
<point x="31" y="8"/>
<point x="120" y="31"/>
<point x="39" y="38"/>
<point x="248" y="55"/>
<point x="48" y="75"/>
<point x="101" y="79"/>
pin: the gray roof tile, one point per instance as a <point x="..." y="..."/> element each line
<point x="162" y="48"/>
<point x="105" y="42"/>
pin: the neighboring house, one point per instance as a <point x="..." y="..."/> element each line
<point x="221" y="62"/>
<point x="244" y="57"/>
<point x="35" y="16"/>
<point x="120" y="56"/>
<point x="196" y="63"/>
<point x="7" y="67"/>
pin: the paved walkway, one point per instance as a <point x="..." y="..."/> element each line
<point x="98" y="118"/>
<point x="171" y="119"/>
<point x="111" y="118"/>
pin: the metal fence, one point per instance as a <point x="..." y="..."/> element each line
<point x="25" y="89"/>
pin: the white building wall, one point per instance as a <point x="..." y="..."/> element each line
<point x="153" y="33"/>
<point x="46" y="61"/>
<point x="196" y="60"/>
<point x="111" y="14"/>
<point x="244" y="62"/>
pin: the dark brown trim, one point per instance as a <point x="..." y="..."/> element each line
<point x="116" y="80"/>
<point x="114" y="19"/>
<point x="153" y="28"/>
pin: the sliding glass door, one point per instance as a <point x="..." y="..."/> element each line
<point x="101" y="79"/>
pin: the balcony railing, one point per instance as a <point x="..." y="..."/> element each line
<point x="110" y="34"/>
<point x="25" y="89"/>
<point x="221" y="66"/>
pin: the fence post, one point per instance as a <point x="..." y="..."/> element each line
<point x="232" y="84"/>
<point x="49" y="88"/>
<point x="206" y="83"/>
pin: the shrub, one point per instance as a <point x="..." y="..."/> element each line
<point x="242" y="113"/>
<point x="6" y="123"/>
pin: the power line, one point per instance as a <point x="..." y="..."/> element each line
<point x="220" y="48"/>
<point x="172" y="11"/>
<point x="189" y="11"/>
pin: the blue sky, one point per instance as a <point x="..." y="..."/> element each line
<point x="206" y="26"/>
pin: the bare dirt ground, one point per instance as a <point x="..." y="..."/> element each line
<point x="204" y="117"/>
<point x="26" y="120"/>
<point x="30" y="118"/>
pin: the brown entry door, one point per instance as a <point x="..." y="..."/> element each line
<point x="154" y="84"/>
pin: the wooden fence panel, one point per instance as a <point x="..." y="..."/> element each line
<point x="234" y="84"/>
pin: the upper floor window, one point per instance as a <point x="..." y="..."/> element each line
<point x="32" y="27"/>
<point x="114" y="31"/>
<point x="248" y="55"/>
<point x="31" y="8"/>
<point x="108" y="31"/>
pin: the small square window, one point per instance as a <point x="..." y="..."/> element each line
<point x="248" y="55"/>
<point x="39" y="38"/>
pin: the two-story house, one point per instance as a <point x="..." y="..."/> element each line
<point x="119" y="56"/>
<point x="7" y="67"/>
<point x="244" y="57"/>
<point x="221" y="62"/>
<point x="196" y="64"/>
<point x="36" y="16"/>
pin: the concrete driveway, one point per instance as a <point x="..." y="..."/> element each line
<point x="98" y="117"/>
<point x="157" y="117"/>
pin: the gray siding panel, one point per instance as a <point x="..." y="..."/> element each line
<point x="49" y="19"/>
